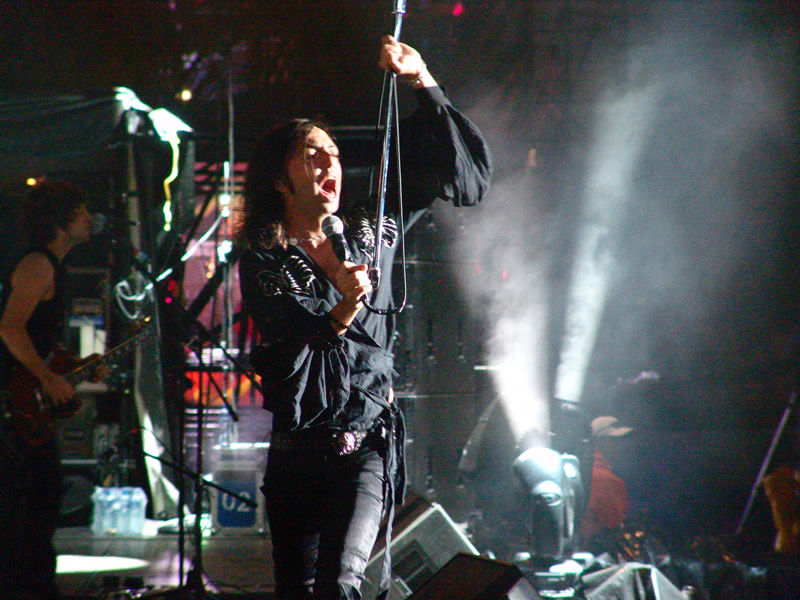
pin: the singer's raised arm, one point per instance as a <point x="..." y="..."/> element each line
<point x="443" y="154"/>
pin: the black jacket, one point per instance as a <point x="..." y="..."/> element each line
<point x="310" y="375"/>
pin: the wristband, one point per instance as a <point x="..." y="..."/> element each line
<point x="337" y="322"/>
<point x="418" y="79"/>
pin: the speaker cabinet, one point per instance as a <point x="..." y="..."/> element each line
<point x="424" y="539"/>
<point x="79" y="480"/>
<point x="631" y="580"/>
<point x="468" y="577"/>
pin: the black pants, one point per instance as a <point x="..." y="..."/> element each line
<point x="31" y="488"/>
<point x="324" y="514"/>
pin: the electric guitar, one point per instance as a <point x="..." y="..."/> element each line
<point x="30" y="413"/>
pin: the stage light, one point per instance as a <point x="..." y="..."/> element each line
<point x="621" y="127"/>
<point x="166" y="124"/>
<point x="554" y="490"/>
<point x="71" y="563"/>
<point x="225" y="196"/>
<point x="225" y="203"/>
<point x="514" y="262"/>
<point x="223" y="250"/>
<point x="129" y="100"/>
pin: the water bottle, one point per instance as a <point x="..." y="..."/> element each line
<point x="137" y="510"/>
<point x="99" y="514"/>
<point x="113" y="510"/>
<point x="125" y="502"/>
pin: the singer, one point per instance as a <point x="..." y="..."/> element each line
<point x="335" y="465"/>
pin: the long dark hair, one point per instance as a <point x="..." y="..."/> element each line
<point x="263" y="210"/>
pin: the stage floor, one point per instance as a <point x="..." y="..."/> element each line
<point x="235" y="565"/>
<point x="238" y="565"/>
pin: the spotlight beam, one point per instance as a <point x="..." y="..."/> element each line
<point x="621" y="127"/>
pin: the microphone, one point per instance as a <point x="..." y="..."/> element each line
<point x="126" y="442"/>
<point x="333" y="228"/>
<point x="101" y="224"/>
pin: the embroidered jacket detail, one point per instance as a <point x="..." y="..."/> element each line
<point x="362" y="228"/>
<point x="293" y="277"/>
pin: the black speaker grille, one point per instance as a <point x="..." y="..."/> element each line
<point x="413" y="565"/>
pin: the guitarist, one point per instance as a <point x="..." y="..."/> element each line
<point x="54" y="220"/>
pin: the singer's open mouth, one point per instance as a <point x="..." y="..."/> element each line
<point x="328" y="188"/>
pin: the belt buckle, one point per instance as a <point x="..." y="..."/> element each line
<point x="346" y="442"/>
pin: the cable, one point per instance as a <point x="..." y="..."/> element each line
<point x="375" y="264"/>
<point x="174" y="142"/>
<point x="123" y="293"/>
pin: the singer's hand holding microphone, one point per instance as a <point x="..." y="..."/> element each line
<point x="352" y="280"/>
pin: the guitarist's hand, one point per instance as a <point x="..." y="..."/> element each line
<point x="58" y="389"/>
<point x="99" y="372"/>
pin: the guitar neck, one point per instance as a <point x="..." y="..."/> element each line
<point x="86" y="370"/>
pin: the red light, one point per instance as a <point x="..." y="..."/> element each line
<point x="458" y="9"/>
<point x="168" y="300"/>
<point x="505" y="275"/>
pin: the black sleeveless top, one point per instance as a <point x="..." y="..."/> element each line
<point x="46" y="323"/>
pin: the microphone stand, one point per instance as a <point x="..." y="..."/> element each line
<point x="195" y="586"/>
<point x="390" y="78"/>
<point x="765" y="464"/>
<point x="194" y="589"/>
